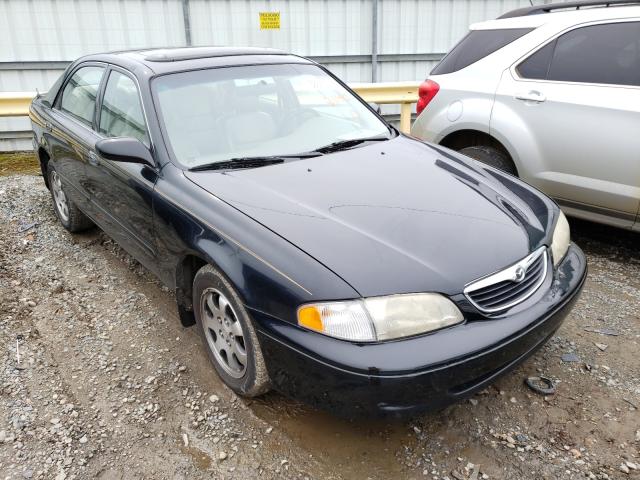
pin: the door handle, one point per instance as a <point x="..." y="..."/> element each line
<point x="94" y="159"/>
<point x="532" y="96"/>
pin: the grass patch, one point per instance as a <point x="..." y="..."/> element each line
<point x="14" y="163"/>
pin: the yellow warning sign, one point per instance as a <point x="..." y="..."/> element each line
<point x="269" y="20"/>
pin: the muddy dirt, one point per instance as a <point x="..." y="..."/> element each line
<point x="12" y="163"/>
<point x="110" y="386"/>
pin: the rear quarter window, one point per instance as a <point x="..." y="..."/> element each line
<point x="476" y="45"/>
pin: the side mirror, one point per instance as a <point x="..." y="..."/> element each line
<point x="124" y="149"/>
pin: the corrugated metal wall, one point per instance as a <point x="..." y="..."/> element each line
<point x="38" y="37"/>
<point x="66" y="29"/>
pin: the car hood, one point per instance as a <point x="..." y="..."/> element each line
<point x="393" y="217"/>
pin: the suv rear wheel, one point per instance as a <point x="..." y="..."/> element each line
<point x="492" y="157"/>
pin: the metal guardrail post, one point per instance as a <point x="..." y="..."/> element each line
<point x="405" y="117"/>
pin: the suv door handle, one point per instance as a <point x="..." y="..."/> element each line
<point x="94" y="159"/>
<point x="532" y="96"/>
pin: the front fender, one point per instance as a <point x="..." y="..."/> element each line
<point x="270" y="274"/>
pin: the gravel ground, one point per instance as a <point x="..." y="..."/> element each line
<point x="109" y="385"/>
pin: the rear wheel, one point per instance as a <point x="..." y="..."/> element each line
<point x="67" y="212"/>
<point x="228" y="334"/>
<point x="491" y="156"/>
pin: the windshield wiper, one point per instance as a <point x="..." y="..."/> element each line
<point x="346" y="144"/>
<point x="250" y="162"/>
<point x="254" y="162"/>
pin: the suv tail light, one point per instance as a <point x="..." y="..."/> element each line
<point x="426" y="91"/>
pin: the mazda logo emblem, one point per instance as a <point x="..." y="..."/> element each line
<point x="519" y="274"/>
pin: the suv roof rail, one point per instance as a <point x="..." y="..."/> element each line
<point x="551" y="7"/>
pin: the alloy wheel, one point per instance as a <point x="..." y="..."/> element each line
<point x="59" y="197"/>
<point x="224" y="332"/>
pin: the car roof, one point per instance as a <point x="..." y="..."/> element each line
<point x="154" y="61"/>
<point x="563" y="18"/>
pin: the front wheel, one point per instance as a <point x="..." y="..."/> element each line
<point x="228" y="334"/>
<point x="492" y="157"/>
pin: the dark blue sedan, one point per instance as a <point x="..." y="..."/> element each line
<point x="319" y="251"/>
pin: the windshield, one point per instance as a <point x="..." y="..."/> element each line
<point x="265" y="110"/>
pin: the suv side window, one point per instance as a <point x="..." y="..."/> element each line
<point x="80" y="92"/>
<point x="607" y="53"/>
<point x="537" y="65"/>
<point x="121" y="113"/>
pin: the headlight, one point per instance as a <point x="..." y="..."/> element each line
<point x="380" y="318"/>
<point x="561" y="239"/>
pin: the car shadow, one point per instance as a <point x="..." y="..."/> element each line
<point x="615" y="244"/>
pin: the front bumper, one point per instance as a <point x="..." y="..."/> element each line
<point x="420" y="373"/>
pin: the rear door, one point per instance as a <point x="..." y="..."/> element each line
<point x="122" y="192"/>
<point x="71" y="135"/>
<point x="578" y="96"/>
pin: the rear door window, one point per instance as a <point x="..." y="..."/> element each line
<point x="80" y="93"/>
<point x="476" y="45"/>
<point x="607" y="54"/>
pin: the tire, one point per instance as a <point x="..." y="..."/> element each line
<point x="228" y="334"/>
<point x="67" y="212"/>
<point x="492" y="157"/>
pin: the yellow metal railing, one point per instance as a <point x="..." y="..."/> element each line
<point x="16" y="104"/>
<point x="403" y="93"/>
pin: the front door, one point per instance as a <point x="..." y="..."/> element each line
<point x="122" y="192"/>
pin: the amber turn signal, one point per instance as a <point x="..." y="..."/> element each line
<point x="309" y="317"/>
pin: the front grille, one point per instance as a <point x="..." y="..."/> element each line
<point x="510" y="286"/>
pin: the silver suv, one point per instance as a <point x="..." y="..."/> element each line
<point x="550" y="94"/>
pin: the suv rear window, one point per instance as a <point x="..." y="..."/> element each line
<point x="476" y="45"/>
